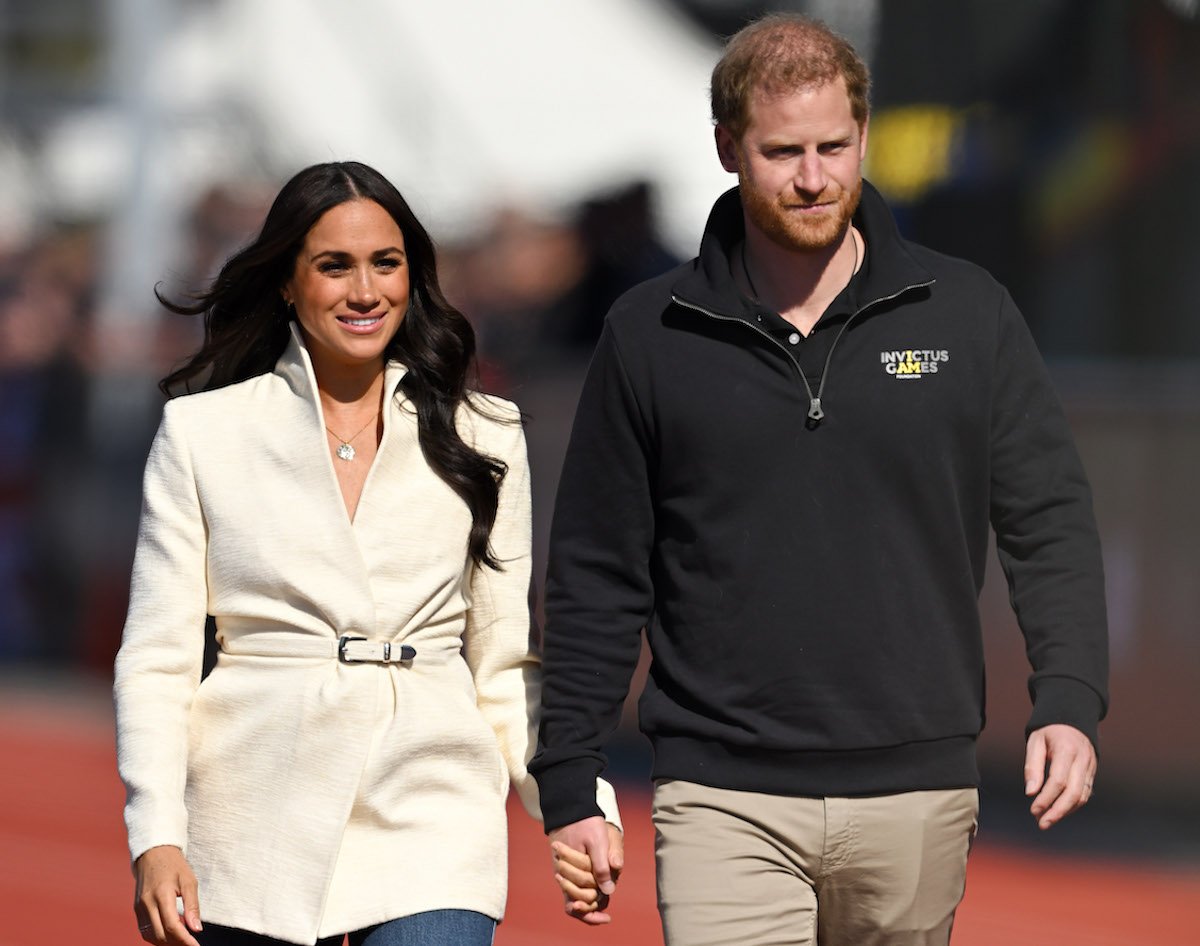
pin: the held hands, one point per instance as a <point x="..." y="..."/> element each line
<point x="588" y="858"/>
<point x="1060" y="766"/>
<point x="162" y="874"/>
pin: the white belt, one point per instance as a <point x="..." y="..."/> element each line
<point x="349" y="649"/>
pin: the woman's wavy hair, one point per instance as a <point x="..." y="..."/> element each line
<point x="246" y="329"/>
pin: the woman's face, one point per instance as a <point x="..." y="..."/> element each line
<point x="350" y="284"/>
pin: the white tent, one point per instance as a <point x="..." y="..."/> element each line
<point x="468" y="105"/>
<point x="471" y="103"/>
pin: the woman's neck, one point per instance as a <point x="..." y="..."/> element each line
<point x="344" y="387"/>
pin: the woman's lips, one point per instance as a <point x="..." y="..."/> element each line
<point x="360" y="325"/>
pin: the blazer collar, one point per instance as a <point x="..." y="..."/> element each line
<point x="295" y="367"/>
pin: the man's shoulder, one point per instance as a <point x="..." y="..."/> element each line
<point x="639" y="309"/>
<point x="945" y="267"/>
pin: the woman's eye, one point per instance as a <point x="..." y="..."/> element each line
<point x="388" y="262"/>
<point x="332" y="267"/>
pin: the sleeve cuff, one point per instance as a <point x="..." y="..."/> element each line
<point x="606" y="801"/>
<point x="569" y="792"/>
<point x="1069" y="702"/>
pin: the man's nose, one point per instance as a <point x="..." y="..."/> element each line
<point x="810" y="175"/>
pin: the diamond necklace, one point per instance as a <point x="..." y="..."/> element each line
<point x="345" y="451"/>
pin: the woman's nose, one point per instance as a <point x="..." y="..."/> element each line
<point x="363" y="291"/>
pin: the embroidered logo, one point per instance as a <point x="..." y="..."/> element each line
<point x="913" y="362"/>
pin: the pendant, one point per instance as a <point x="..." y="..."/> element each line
<point x="345" y="452"/>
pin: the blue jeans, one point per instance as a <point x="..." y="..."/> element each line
<point x="433" y="928"/>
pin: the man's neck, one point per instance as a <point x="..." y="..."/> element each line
<point x="798" y="284"/>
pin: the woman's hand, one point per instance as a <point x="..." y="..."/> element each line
<point x="162" y="875"/>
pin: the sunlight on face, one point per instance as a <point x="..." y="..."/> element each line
<point x="350" y="285"/>
<point x="799" y="165"/>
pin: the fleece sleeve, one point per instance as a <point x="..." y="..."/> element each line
<point x="158" y="666"/>
<point x="500" y="645"/>
<point x="1046" y="536"/>
<point x="598" y="591"/>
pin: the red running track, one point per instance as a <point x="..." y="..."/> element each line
<point x="64" y="876"/>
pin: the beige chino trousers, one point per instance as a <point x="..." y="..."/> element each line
<point x="749" y="869"/>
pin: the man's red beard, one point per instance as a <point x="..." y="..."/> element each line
<point x="794" y="231"/>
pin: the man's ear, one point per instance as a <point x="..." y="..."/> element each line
<point x="727" y="150"/>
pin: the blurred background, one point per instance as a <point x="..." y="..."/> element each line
<point x="560" y="151"/>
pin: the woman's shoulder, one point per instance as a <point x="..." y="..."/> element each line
<point x="491" y="420"/>
<point x="228" y="401"/>
<point x="494" y="406"/>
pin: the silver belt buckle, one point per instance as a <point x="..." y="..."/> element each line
<point x="383" y="649"/>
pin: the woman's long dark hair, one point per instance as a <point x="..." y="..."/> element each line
<point x="246" y="328"/>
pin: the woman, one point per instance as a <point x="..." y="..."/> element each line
<point x="357" y="521"/>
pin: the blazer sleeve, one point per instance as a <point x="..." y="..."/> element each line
<point x="501" y="646"/>
<point x="159" y="663"/>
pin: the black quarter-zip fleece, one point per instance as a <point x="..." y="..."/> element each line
<point x="810" y="588"/>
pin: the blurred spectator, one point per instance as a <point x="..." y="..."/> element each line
<point x="224" y="218"/>
<point x="624" y="249"/>
<point x="43" y="416"/>
<point x="516" y="282"/>
<point x="538" y="289"/>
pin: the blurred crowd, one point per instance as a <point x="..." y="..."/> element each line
<point x="45" y="291"/>
<point x="1055" y="144"/>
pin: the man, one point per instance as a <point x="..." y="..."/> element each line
<point x="784" y="462"/>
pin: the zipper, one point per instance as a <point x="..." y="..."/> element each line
<point x="815" y="411"/>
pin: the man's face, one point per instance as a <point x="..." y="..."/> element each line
<point x="799" y="165"/>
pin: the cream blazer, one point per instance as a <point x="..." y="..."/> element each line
<point x="313" y="796"/>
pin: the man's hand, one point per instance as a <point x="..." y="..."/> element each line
<point x="1060" y="766"/>
<point x="588" y="858"/>
<point x="162" y="874"/>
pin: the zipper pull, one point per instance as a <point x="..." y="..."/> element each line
<point x="814" y="409"/>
